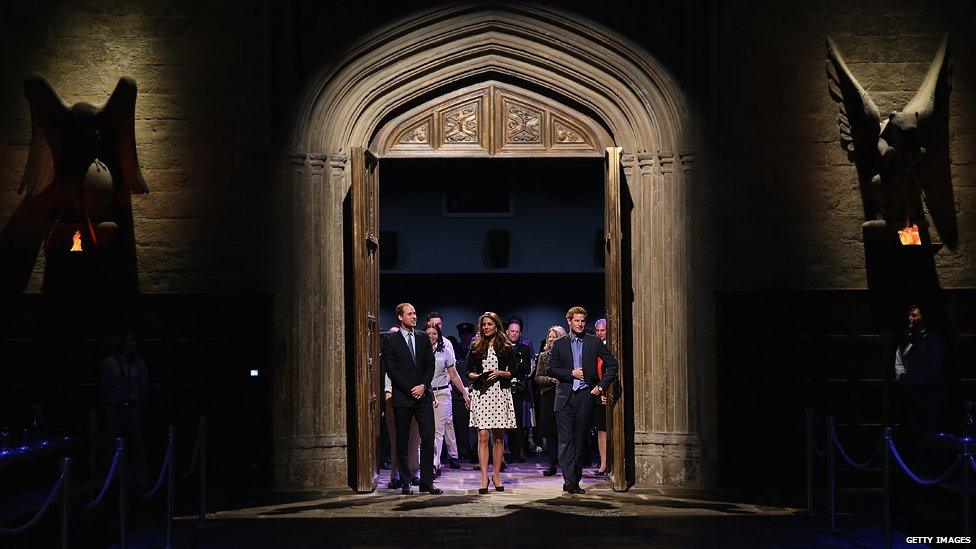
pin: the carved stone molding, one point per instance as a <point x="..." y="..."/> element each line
<point x="687" y="161"/>
<point x="491" y="119"/>
<point x="338" y="164"/>
<point x="666" y="161"/>
<point x="646" y="161"/>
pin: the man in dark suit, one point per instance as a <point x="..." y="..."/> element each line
<point x="573" y="362"/>
<point x="520" y="383"/>
<point x="408" y="359"/>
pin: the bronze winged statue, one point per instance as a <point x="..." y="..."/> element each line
<point x="901" y="159"/>
<point x="82" y="146"/>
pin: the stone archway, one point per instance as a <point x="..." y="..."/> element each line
<point x="644" y="112"/>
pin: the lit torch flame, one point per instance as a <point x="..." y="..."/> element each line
<point x="76" y="242"/>
<point x="909" y="236"/>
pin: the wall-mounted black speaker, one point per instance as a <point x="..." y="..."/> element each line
<point x="599" y="250"/>
<point x="389" y="245"/>
<point x="496" y="248"/>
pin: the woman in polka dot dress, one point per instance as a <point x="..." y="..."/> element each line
<point x="490" y="364"/>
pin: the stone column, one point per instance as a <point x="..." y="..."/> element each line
<point x="315" y="387"/>
<point x="666" y="444"/>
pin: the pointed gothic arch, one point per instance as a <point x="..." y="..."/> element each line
<point x="642" y="110"/>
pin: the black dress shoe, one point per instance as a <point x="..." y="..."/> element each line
<point x="394" y="484"/>
<point x="454" y="463"/>
<point x="432" y="490"/>
<point x="567" y="487"/>
<point x="576" y="490"/>
<point x="415" y="481"/>
<point x="549" y="472"/>
<point x="406" y="491"/>
<point x="599" y="473"/>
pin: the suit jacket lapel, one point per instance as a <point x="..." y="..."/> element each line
<point x="403" y="344"/>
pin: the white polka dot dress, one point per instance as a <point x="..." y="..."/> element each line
<point x="492" y="408"/>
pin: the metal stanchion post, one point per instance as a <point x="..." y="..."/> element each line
<point x="170" y="484"/>
<point x="203" y="472"/>
<point x="123" y="495"/>
<point x="831" y="481"/>
<point x="809" y="463"/>
<point x="886" y="506"/>
<point x="965" y="492"/>
<point x="65" y="501"/>
<point x="93" y="443"/>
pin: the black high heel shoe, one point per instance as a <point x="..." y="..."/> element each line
<point x="498" y="487"/>
<point x="483" y="490"/>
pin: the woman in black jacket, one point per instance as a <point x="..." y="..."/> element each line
<point x="490" y="364"/>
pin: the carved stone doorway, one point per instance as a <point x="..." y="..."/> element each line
<point x="418" y="87"/>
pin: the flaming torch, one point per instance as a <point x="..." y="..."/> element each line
<point x="909" y="236"/>
<point x="76" y="242"/>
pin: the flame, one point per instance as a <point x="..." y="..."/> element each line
<point x="76" y="242"/>
<point x="909" y="236"/>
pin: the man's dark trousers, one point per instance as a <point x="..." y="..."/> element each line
<point x="572" y="422"/>
<point x="423" y="410"/>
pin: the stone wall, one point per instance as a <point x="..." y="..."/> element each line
<point x="777" y="201"/>
<point x="203" y="126"/>
<point x="783" y="199"/>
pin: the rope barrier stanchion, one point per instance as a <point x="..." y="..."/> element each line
<point x="171" y="443"/>
<point x="40" y="513"/>
<point x="965" y="493"/>
<point x="65" y="501"/>
<point x="92" y="433"/>
<point x="831" y="480"/>
<point x="886" y="476"/>
<point x="202" y="520"/>
<point x="123" y="491"/>
<point x="809" y="455"/>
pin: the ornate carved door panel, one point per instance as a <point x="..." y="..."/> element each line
<point x="366" y="360"/>
<point x="616" y="441"/>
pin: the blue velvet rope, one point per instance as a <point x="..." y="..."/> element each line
<point x="40" y="513"/>
<point x="159" y="480"/>
<point x="916" y="478"/>
<point x="108" y="481"/>
<point x="847" y="457"/>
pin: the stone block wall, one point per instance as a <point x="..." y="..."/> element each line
<point x="782" y="199"/>
<point x="203" y="127"/>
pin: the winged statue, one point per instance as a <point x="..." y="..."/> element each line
<point x="82" y="154"/>
<point x="902" y="159"/>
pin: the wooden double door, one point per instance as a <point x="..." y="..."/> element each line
<point x="367" y="390"/>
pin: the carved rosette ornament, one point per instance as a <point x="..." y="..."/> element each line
<point x="562" y="133"/>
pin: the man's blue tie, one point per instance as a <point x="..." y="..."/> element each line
<point x="413" y="353"/>
<point x="578" y="384"/>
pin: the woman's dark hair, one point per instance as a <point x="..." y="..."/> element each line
<point x="498" y="340"/>
<point x="440" y="337"/>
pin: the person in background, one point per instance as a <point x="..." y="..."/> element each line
<point x="920" y="373"/>
<point x="445" y="375"/>
<point x="600" y="405"/>
<point x="547" y="398"/>
<point x="520" y="388"/>
<point x="467" y="436"/>
<point x="123" y="385"/>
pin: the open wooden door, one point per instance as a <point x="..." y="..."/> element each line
<point x="366" y="360"/>
<point x="616" y="435"/>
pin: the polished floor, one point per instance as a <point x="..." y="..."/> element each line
<point x="531" y="512"/>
